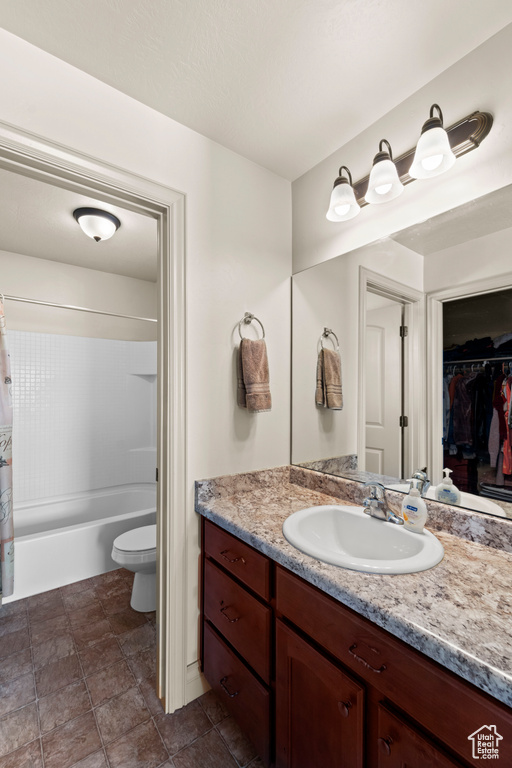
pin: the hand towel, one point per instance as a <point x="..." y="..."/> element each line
<point x="328" y="380"/>
<point x="253" y="390"/>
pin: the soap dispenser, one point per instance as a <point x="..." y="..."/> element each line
<point x="414" y="509"/>
<point x="447" y="491"/>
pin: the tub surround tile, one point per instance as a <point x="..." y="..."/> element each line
<point x="103" y="654"/>
<point x="207" y="752"/>
<point x="137" y="639"/>
<point x="15" y="665"/>
<point x="183" y="727"/>
<point x="42" y="631"/>
<point x="65" y="705"/>
<point x="14" y="642"/>
<point x="121" y="714"/>
<point x="457" y="613"/>
<point x="57" y="675"/>
<point x="18" y="728"/>
<point x="87" y="615"/>
<point x="52" y="650"/>
<point x="110" y="682"/>
<point x="72" y="742"/>
<point x="29" y="756"/>
<point x="17" y="693"/>
<point x="90" y="634"/>
<point x="140" y="748"/>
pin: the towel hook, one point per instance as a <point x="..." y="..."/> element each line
<point x="328" y="332"/>
<point x="247" y="319"/>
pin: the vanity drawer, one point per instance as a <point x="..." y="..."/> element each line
<point x="246" y="698"/>
<point x="437" y="699"/>
<point x="249" y="566"/>
<point x="239" y="617"/>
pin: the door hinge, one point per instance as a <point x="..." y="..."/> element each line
<point x="404" y="421"/>
<point x="156" y="474"/>
<point x="404" y="331"/>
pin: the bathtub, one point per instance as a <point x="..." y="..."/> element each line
<point x="59" y="541"/>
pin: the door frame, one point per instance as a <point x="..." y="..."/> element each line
<point x="435" y="301"/>
<point x="31" y="155"/>
<point x="414" y="363"/>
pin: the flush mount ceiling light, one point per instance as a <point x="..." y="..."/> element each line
<point x="384" y="183"/>
<point x="433" y="154"/>
<point x="97" y="224"/>
<point x="436" y="152"/>
<point x="343" y="205"/>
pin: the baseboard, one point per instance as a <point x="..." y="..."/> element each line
<point x="196" y="682"/>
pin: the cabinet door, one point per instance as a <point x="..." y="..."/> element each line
<point x="319" y="708"/>
<point x="402" y="746"/>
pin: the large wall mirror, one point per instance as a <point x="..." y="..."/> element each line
<point x="423" y="321"/>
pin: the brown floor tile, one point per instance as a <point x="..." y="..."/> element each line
<point x="47" y="609"/>
<point x="237" y="742"/>
<point x="65" y="705"/>
<point x="43" y="597"/>
<point x="90" y="634"/>
<point x="110" y="682"/>
<point x="137" y="639"/>
<point x="127" y="575"/>
<point x="13" y="624"/>
<point x="207" y="752"/>
<point x="184" y="726"/>
<point x="97" y="760"/>
<point x="13" y="609"/>
<point x="111" y="577"/>
<point x="140" y="748"/>
<point x="76" y="586"/>
<point x="143" y="664"/>
<point x="53" y="650"/>
<point x="88" y="615"/>
<point x="57" y="675"/>
<point x="148" y="690"/>
<point x="213" y="707"/>
<point x="115" y="603"/>
<point x="258" y="763"/>
<point x="17" y="693"/>
<point x="45" y="630"/>
<point x="18" y="728"/>
<point x="126" y="620"/>
<point x="70" y="743"/>
<point x="102" y="654"/>
<point x="28" y="756"/>
<point x="14" y="642"/>
<point x="77" y="600"/>
<point x="121" y="714"/>
<point x="15" y="665"/>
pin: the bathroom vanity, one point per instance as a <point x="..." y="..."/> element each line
<point x="322" y="666"/>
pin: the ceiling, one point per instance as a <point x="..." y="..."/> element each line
<point x="36" y="219"/>
<point x="282" y="82"/>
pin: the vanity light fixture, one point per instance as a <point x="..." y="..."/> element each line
<point x="343" y="205"/>
<point x="97" y="224"/>
<point x="433" y="154"/>
<point x="384" y="183"/>
<point x="436" y="152"/>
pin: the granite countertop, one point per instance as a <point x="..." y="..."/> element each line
<point x="458" y="613"/>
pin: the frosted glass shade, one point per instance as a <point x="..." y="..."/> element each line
<point x="343" y="205"/>
<point x="433" y="154"/>
<point x="384" y="184"/>
<point x="96" y="224"/>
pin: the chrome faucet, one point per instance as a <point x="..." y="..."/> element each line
<point x="375" y="504"/>
<point x="423" y="482"/>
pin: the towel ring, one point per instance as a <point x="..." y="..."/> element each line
<point x="247" y="319"/>
<point x="328" y="332"/>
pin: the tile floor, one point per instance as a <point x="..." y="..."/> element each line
<point x="77" y="688"/>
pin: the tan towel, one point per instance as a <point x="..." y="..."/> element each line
<point x="328" y="380"/>
<point x="253" y="390"/>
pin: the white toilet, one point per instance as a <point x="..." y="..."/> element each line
<point x="136" y="551"/>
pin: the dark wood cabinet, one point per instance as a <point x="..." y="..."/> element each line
<point x="315" y="685"/>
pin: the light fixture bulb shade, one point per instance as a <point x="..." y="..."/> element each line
<point x="433" y="155"/>
<point x="384" y="183"/>
<point x="343" y="205"/>
<point x="96" y="224"/>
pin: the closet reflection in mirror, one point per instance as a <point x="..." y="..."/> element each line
<point x="456" y="409"/>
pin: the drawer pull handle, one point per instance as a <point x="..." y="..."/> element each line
<point x="385" y="745"/>
<point x="238" y="559"/>
<point x="226" y="689"/>
<point x="344" y="707"/>
<point x="223" y="611"/>
<point x="364" y="662"/>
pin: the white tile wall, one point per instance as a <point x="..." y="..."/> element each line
<point x="79" y="412"/>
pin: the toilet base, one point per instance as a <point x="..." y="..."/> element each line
<point x="144" y="592"/>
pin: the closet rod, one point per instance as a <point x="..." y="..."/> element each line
<point x="78" y="309"/>
<point x="478" y="360"/>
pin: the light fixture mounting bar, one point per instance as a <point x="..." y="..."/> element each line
<point x="464" y="136"/>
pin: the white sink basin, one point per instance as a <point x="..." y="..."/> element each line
<point x="346" y="536"/>
<point x="467" y="500"/>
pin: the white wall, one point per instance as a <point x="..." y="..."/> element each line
<point x="478" y="81"/>
<point x="238" y="249"/>
<point x="327" y="295"/>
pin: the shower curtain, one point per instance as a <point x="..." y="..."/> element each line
<point x="6" y="522"/>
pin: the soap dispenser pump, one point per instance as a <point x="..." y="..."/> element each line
<point x="414" y="509"/>
<point x="447" y="491"/>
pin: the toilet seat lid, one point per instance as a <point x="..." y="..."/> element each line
<point x="137" y="540"/>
